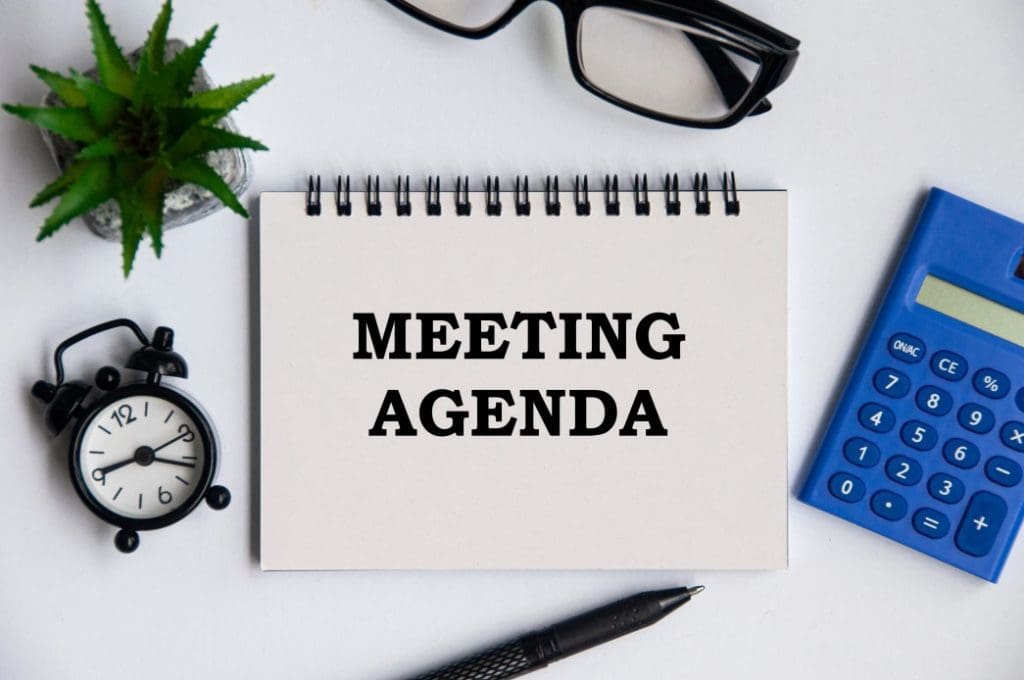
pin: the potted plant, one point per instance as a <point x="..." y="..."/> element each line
<point x="144" y="142"/>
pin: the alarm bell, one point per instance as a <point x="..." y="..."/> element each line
<point x="158" y="358"/>
<point x="62" y="402"/>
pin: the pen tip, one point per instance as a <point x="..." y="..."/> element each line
<point x="695" y="590"/>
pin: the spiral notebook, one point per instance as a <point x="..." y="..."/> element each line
<point x="515" y="376"/>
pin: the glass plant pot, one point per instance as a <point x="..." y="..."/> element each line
<point x="184" y="203"/>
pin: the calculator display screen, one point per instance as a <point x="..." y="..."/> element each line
<point x="972" y="309"/>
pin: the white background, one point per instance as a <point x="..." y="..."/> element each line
<point x="888" y="99"/>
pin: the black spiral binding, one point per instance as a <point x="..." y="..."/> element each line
<point x="641" y="201"/>
<point x="493" y="197"/>
<point x="434" y="196"/>
<point x="611" y="195"/>
<point x="462" y="205"/>
<point x="552" y="200"/>
<point x="523" y="199"/>
<point x="700" y="192"/>
<point x="581" y="196"/>
<point x="373" y="196"/>
<point x="402" y="204"/>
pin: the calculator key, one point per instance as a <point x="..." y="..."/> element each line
<point x="931" y="523"/>
<point x="949" y="365"/>
<point x="1012" y="435"/>
<point x="934" y="400"/>
<point x="906" y="347"/>
<point x="892" y="383"/>
<point x="961" y="453"/>
<point x="876" y="417"/>
<point x="903" y="470"/>
<point x="1020" y="399"/>
<point x="918" y="435"/>
<point x="889" y="505"/>
<point x="976" y="418"/>
<point x="945" y="488"/>
<point x="981" y="524"/>
<point x="846" y="487"/>
<point x="1003" y="471"/>
<point x="861" y="452"/>
<point x="991" y="383"/>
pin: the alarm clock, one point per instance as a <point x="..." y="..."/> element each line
<point x="143" y="454"/>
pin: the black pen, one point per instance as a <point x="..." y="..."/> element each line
<point x="538" y="649"/>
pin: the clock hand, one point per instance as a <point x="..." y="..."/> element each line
<point x="173" y="462"/>
<point x="168" y="443"/>
<point x="110" y="468"/>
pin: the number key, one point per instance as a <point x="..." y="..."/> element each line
<point x="903" y="470"/>
<point x="945" y="488"/>
<point x="961" y="453"/>
<point x="976" y="418"/>
<point x="846" y="487"/>
<point x="892" y="383"/>
<point x="861" y="452"/>
<point x="876" y="417"/>
<point x="917" y="435"/>
<point x="934" y="400"/>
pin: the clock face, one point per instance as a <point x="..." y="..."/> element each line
<point x="143" y="456"/>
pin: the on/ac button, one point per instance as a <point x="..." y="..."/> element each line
<point x="906" y="347"/>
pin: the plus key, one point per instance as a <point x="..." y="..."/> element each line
<point x="981" y="523"/>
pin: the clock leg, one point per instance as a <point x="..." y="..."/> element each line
<point x="218" y="497"/>
<point x="126" y="540"/>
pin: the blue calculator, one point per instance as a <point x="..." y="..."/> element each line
<point x="926" y="445"/>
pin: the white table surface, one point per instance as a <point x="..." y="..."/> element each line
<point x="888" y="99"/>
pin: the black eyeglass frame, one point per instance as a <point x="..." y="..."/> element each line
<point x="727" y="29"/>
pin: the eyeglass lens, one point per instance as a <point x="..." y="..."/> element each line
<point x="657" y="65"/>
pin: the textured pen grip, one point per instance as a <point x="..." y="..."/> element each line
<point x="506" y="661"/>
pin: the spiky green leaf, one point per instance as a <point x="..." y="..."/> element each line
<point x="104" y="105"/>
<point x="59" y="185"/>
<point x="180" y="120"/>
<point x="228" y="97"/>
<point x="74" y="124"/>
<point x="156" y="41"/>
<point x="174" y="81"/>
<point x="93" y="186"/>
<point x="196" y="171"/>
<point x="203" y="138"/>
<point x="62" y="86"/>
<point x="104" y="148"/>
<point x="115" y="73"/>
<point x="151" y="205"/>
<point x="132" y="229"/>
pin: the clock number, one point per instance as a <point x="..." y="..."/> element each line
<point x="186" y="433"/>
<point x="100" y="476"/>
<point x="164" y="496"/>
<point x="123" y="415"/>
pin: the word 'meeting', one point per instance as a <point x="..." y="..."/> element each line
<point x="536" y="335"/>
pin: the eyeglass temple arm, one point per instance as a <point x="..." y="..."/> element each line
<point x="731" y="81"/>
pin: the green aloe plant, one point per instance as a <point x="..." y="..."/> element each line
<point x="140" y="131"/>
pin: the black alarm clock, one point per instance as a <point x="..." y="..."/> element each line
<point x="143" y="454"/>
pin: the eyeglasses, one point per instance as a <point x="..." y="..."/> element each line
<point x="698" y="63"/>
